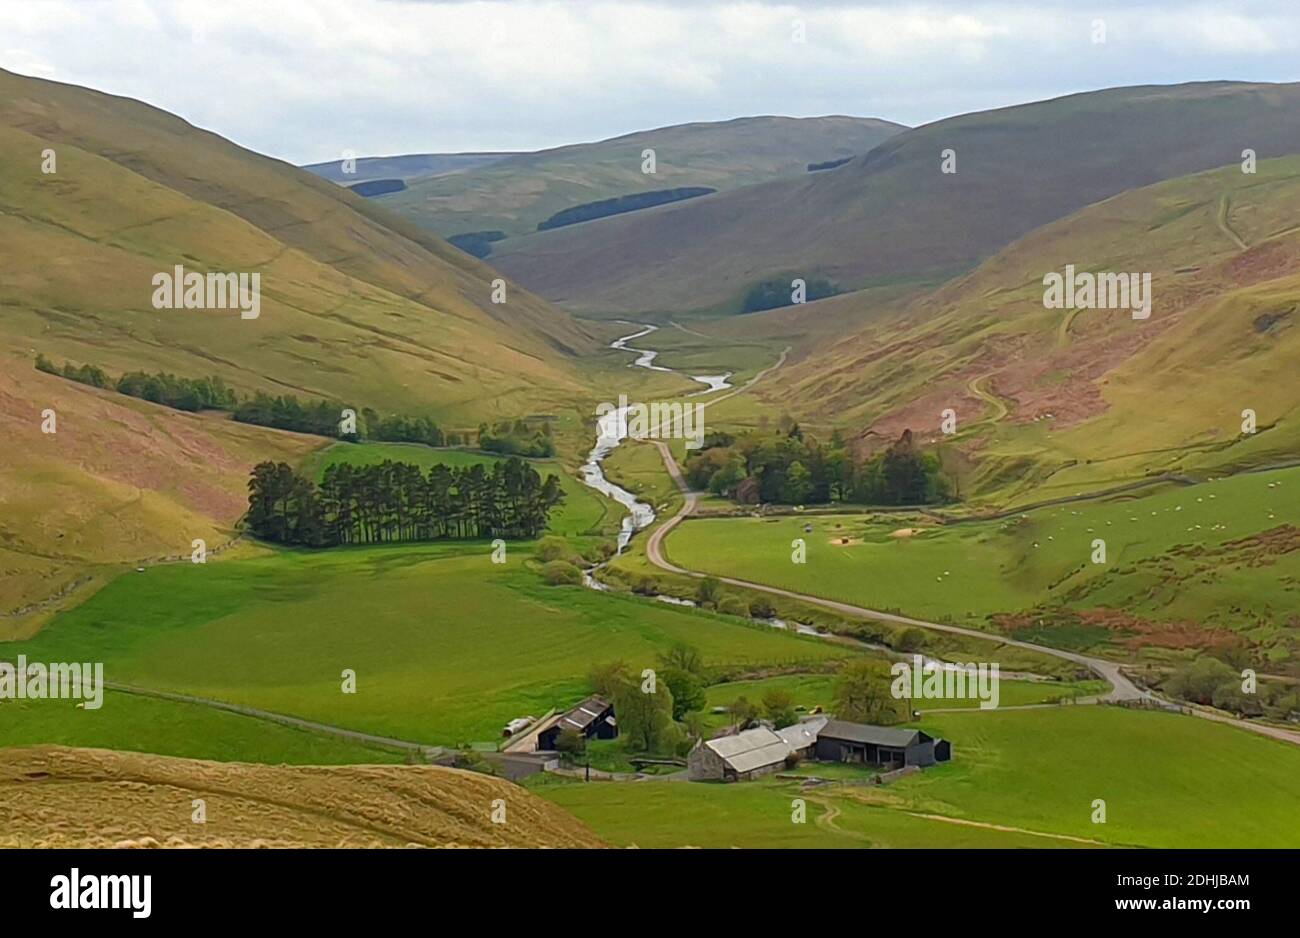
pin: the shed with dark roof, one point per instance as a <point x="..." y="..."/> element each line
<point x="885" y="746"/>
<point x="593" y="719"/>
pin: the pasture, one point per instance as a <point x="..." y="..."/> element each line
<point x="169" y="728"/>
<point x="1219" y="554"/>
<point x="1167" y="780"/>
<point x="446" y="645"/>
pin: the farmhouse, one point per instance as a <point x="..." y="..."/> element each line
<point x="889" y="747"/>
<point x="593" y="718"/>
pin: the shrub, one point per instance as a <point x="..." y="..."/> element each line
<point x="762" y="608"/>
<point x="733" y="606"/>
<point x="561" y="573"/>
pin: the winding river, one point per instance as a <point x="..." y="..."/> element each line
<point x="611" y="430"/>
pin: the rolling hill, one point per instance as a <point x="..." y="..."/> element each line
<point x="52" y="796"/>
<point x="356" y="303"/>
<point x="514" y="194"/>
<point x="891" y="216"/>
<point x="1051" y="402"/>
<point x="409" y="166"/>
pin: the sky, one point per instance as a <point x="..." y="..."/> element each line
<point x="307" y="80"/>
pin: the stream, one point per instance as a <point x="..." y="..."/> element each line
<point x="611" y="430"/>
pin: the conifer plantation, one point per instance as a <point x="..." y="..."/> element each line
<point x="393" y="502"/>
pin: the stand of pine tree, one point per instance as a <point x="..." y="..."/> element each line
<point x="392" y="502"/>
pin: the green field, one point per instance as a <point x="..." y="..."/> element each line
<point x="1167" y="780"/>
<point x="163" y="727"/>
<point x="817" y="690"/>
<point x="446" y="645"/>
<point x="1169" y="559"/>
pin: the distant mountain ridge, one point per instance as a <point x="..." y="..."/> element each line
<point x="514" y="194"/>
<point x="892" y="215"/>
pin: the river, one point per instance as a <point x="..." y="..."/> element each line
<point x="611" y="430"/>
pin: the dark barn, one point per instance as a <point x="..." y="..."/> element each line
<point x="884" y="746"/>
<point x="593" y="718"/>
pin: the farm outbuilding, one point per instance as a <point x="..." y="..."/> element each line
<point x="593" y="718"/>
<point x="887" y="747"/>
<point x="747" y="755"/>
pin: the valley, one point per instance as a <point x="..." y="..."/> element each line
<point x="932" y="465"/>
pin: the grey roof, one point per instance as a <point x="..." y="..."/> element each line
<point x="875" y="735"/>
<point x="803" y="734"/>
<point x="752" y="749"/>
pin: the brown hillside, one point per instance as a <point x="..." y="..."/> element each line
<point x="51" y="796"/>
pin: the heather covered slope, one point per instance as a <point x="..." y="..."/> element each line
<point x="514" y="194"/>
<point x="355" y="301"/>
<point x="1050" y="402"/>
<point x="52" y="796"/>
<point x="891" y="215"/>
<point x="119" y="482"/>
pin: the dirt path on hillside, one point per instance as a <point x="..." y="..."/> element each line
<point x="1221" y="219"/>
<point x="1122" y="689"/>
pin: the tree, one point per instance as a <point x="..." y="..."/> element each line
<point x="862" y="695"/>
<point x="645" y="720"/>
<point x="570" y="744"/>
<point x="744" y="711"/>
<point x="909" y="640"/>
<point x="778" y="705"/>
<point x="687" y="690"/>
<point x="684" y="657"/>
<point x="709" y="591"/>
<point x="1199" y="680"/>
<point x="606" y="678"/>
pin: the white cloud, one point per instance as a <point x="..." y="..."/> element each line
<point x="304" y="79"/>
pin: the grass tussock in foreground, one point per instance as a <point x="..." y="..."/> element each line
<point x="56" y="797"/>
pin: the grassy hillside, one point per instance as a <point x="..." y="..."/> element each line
<point x="57" y="797"/>
<point x="171" y="728"/>
<point x="891" y="215"/>
<point x="516" y="193"/>
<point x="120" y="482"/>
<point x="356" y="303"/>
<point x="1053" y="402"/>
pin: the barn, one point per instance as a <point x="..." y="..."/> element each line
<point x="752" y="753"/>
<point x="593" y="718"/>
<point x="747" y="755"/>
<point x="887" y="747"/>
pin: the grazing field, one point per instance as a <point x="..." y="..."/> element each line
<point x="144" y="724"/>
<point x="1185" y="564"/>
<point x="756" y="815"/>
<point x="817" y="690"/>
<point x="1167" y="780"/>
<point x="446" y="645"/>
<point x="583" y="512"/>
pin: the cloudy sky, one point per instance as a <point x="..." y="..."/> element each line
<point x="305" y="79"/>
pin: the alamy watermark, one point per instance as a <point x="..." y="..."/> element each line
<point x="932" y="680"/>
<point x="54" y="681"/>
<point x="181" y="290"/>
<point x="660" y="420"/>
<point x="1073" y="290"/>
